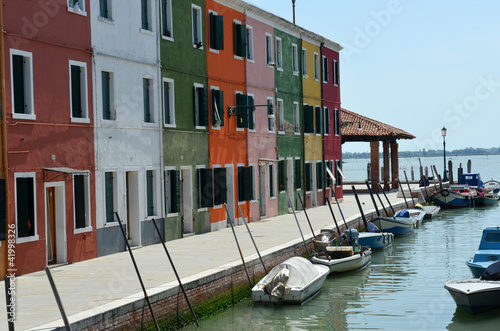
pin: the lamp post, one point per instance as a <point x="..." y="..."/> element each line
<point x="443" y="133"/>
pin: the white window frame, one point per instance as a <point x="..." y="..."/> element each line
<point x="296" y="118"/>
<point x="108" y="19"/>
<point x="304" y="63"/>
<point x="199" y="31"/>
<point x="88" y="222"/>
<point x="198" y="189"/>
<point x="80" y="11"/>
<point x="295" y="60"/>
<point x="272" y="119"/>
<point x="171" y="99"/>
<point x="156" y="204"/>
<point x="316" y="66"/>
<point x="170" y="23"/>
<point x="217" y="88"/>
<point x="280" y="110"/>
<point x="83" y="92"/>
<point x="36" y="236"/>
<point x="150" y="28"/>
<point x="279" y="54"/>
<point x="208" y="25"/>
<point x="249" y="46"/>
<point x="269" y="50"/>
<point x="168" y="185"/>
<point x="198" y="127"/>
<point x="28" y="84"/>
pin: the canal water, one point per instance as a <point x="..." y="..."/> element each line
<point x="402" y="288"/>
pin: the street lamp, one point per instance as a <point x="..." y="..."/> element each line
<point x="443" y="133"/>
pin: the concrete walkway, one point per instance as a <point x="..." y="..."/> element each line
<point x="88" y="287"/>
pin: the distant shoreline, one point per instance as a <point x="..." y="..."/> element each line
<point x="367" y="155"/>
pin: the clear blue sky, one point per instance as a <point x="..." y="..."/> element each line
<point x="417" y="65"/>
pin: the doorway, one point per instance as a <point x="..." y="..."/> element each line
<point x="262" y="190"/>
<point x="133" y="216"/>
<point x="187" y="201"/>
<point x="230" y="192"/>
<point x="55" y="221"/>
<point x="289" y="179"/>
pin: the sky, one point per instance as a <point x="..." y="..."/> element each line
<point x="417" y="65"/>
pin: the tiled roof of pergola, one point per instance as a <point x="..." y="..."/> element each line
<point x="355" y="127"/>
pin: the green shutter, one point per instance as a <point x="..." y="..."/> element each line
<point x="205" y="188"/>
<point x="216" y="31"/>
<point x="308" y="119"/>
<point x="337" y="121"/>
<point x="150" y="195"/>
<point x="248" y="183"/>
<point x="146" y="100"/>
<point x="271" y="180"/>
<point x="25" y="201"/>
<point x="204" y="107"/>
<point x="298" y="174"/>
<point x="241" y="184"/>
<point x="18" y="82"/>
<point x="319" y="120"/>
<point x="110" y="208"/>
<point x="339" y="176"/>
<point x="79" y="190"/>
<point x="106" y="99"/>
<point x="220" y="186"/>
<point x="282" y="175"/>
<point x="320" y="176"/>
<point x="76" y="95"/>
<point x="328" y="128"/>
<point x="166" y="103"/>
<point x="241" y="112"/>
<point x="308" y="176"/>
<point x="251" y="112"/>
<point x="240" y="40"/>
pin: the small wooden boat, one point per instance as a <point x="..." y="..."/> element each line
<point x="430" y="211"/>
<point x="399" y="225"/>
<point x="455" y="197"/>
<point x="477" y="295"/>
<point x="492" y="186"/>
<point x="293" y="281"/>
<point x="487" y="253"/>
<point x="485" y="199"/>
<point x="376" y="240"/>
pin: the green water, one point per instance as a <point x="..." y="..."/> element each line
<point x="402" y="289"/>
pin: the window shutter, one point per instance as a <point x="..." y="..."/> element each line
<point x="175" y="190"/>
<point x="217" y="100"/>
<point x="144" y="16"/>
<point x="204" y="106"/>
<point x="241" y="112"/>
<point x="145" y="96"/>
<point x="251" y="111"/>
<point x="103" y="8"/>
<point x="327" y="121"/>
<point x="220" y="106"/>
<point x="110" y="212"/>
<point x="220" y="186"/>
<point x="336" y="75"/>
<point x="25" y="207"/>
<point x="298" y="174"/>
<point x="339" y="176"/>
<point x="319" y="120"/>
<point x="308" y="176"/>
<point x="216" y="31"/>
<point x="205" y="188"/>
<point x="326" y="74"/>
<point x="240" y="40"/>
<point x="308" y="119"/>
<point x="150" y="195"/>
<point x="18" y="80"/>
<point x="337" y="121"/>
<point x="245" y="184"/>
<point x="79" y="189"/>
<point x="76" y="97"/>
<point x="166" y="102"/>
<point x="106" y="100"/>
<point x="282" y="175"/>
<point x="164" y="22"/>
<point x="320" y="175"/>
<point x="271" y="180"/>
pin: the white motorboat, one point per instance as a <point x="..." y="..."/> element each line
<point x="350" y="259"/>
<point x="295" y="281"/>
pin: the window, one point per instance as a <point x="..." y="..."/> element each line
<point x="172" y="191"/>
<point x="220" y="186"/>
<point x="336" y="74"/>
<point x="200" y="106"/>
<point x="270" y="115"/>
<point x="308" y="119"/>
<point x="217" y="107"/>
<point x="325" y="71"/>
<point x="279" y="54"/>
<point x="329" y="180"/>
<point x="22" y="84"/>
<point x="25" y="206"/>
<point x="205" y="188"/>
<point x="216" y="31"/>
<point x="298" y="174"/>
<point x="271" y="180"/>
<point x="337" y="122"/>
<point x="109" y="187"/>
<point x="296" y="117"/>
<point x="81" y="201"/>
<point x="282" y="175"/>
<point x="166" y="19"/>
<point x="147" y="95"/>
<point x="107" y="95"/>
<point x="281" y="114"/>
<point x="249" y="43"/>
<point x="338" y="172"/>
<point x="145" y="15"/>
<point x="327" y="129"/>
<point x="168" y="103"/>
<point x="150" y="192"/>
<point x="240" y="47"/>
<point x="320" y="176"/>
<point x="269" y="49"/>
<point x="295" y="60"/>
<point x="105" y="8"/>
<point x="308" y="176"/>
<point x="77" y="6"/>
<point x="78" y="88"/>
<point x="245" y="183"/>
<point x="319" y="120"/>
<point x="316" y="66"/>
<point x="197" y="27"/>
<point x="304" y="63"/>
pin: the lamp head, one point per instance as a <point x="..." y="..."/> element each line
<point x="443" y="131"/>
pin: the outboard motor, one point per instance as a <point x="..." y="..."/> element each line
<point x="492" y="272"/>
<point x="352" y="235"/>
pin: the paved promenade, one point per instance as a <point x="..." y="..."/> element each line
<point x="90" y="287"/>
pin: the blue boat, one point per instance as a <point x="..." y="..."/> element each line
<point x="455" y="197"/>
<point x="472" y="180"/>
<point x="487" y="253"/>
<point x="376" y="240"/>
<point x="399" y="225"/>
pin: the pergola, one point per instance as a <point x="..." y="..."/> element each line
<point x="355" y="127"/>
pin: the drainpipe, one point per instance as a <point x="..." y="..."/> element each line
<point x="5" y="166"/>
<point x="321" y="45"/>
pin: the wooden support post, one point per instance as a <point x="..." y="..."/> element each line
<point x="385" y="173"/>
<point x="394" y="165"/>
<point x="450" y="171"/>
<point x="375" y="166"/>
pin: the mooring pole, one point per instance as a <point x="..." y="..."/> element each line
<point x="8" y="296"/>
<point x="237" y="244"/>
<point x="338" y="205"/>
<point x="333" y="215"/>
<point x="403" y="192"/>
<point x="58" y="299"/>
<point x="298" y="225"/>
<point x="409" y="189"/>
<point x="386" y="198"/>
<point x="175" y="271"/>
<point x="137" y="271"/>
<point x="372" y="197"/>
<point x="305" y="212"/>
<point x="253" y="241"/>
<point x="359" y="206"/>
<point x="380" y="200"/>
